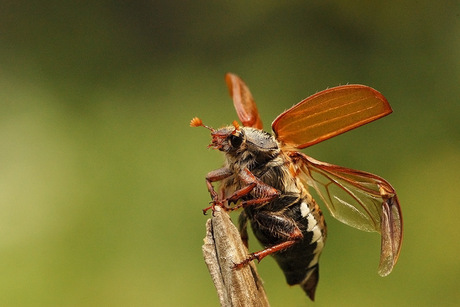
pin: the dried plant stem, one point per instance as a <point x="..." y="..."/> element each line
<point x="223" y="248"/>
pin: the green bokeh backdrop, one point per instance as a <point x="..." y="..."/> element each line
<point x="102" y="180"/>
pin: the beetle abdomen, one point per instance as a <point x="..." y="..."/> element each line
<point x="299" y="262"/>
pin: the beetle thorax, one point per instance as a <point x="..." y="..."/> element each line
<point x="251" y="148"/>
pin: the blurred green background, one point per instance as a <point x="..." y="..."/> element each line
<point x="102" y="180"/>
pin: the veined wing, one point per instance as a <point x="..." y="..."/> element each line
<point x="243" y="101"/>
<point x="329" y="113"/>
<point x="359" y="199"/>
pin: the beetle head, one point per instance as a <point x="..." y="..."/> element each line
<point x="235" y="140"/>
<point x="225" y="139"/>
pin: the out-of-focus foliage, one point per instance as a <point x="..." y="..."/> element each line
<point x="102" y="180"/>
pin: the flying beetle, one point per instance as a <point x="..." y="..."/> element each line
<point x="269" y="178"/>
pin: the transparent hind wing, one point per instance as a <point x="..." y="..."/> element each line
<point x="358" y="199"/>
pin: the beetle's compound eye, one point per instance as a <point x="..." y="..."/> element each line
<point x="236" y="140"/>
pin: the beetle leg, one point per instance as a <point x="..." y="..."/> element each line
<point x="213" y="176"/>
<point x="273" y="225"/>
<point x="261" y="191"/>
<point x="263" y="253"/>
<point x="216" y="175"/>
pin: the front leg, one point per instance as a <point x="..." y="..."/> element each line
<point x="216" y="175"/>
<point x="213" y="176"/>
